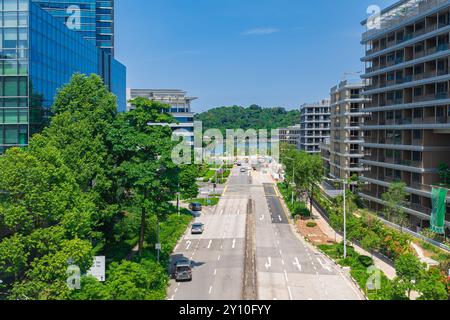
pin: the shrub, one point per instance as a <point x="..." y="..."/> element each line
<point x="311" y="224"/>
<point x="366" y="261"/>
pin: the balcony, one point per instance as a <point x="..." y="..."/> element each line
<point x="419" y="208"/>
<point x="397" y="16"/>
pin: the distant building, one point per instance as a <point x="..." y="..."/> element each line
<point x="290" y="135"/>
<point x="180" y="107"/>
<point x="314" y="125"/>
<point x="343" y="151"/>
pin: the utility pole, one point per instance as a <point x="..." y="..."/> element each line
<point x="178" y="198"/>
<point x="345" y="219"/>
<point x="157" y="236"/>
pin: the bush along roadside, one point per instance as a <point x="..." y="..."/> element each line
<point x="371" y="233"/>
<point x="374" y="236"/>
<point x="297" y="209"/>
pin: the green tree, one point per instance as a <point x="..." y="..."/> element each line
<point x="409" y="271"/>
<point x="145" y="171"/>
<point x="137" y="281"/>
<point x="395" y="201"/>
<point x="432" y="287"/>
<point x="188" y="181"/>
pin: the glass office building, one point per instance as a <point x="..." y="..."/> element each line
<point x="96" y="18"/>
<point x="39" y="54"/>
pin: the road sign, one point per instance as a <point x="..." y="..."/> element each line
<point x="158" y="246"/>
<point x="98" y="268"/>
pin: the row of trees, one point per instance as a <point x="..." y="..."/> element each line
<point x="303" y="170"/>
<point x="253" y="117"/>
<point x="62" y="196"/>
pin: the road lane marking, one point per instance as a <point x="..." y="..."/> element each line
<point x="262" y="218"/>
<point x="269" y="263"/>
<point x="215" y="272"/>
<point x="176" y="290"/>
<point x="210" y="243"/>
<point x="297" y="264"/>
<point x="279" y="217"/>
<point x="188" y="243"/>
<point x="218" y="259"/>
<point x="290" y="294"/>
<point x="221" y="212"/>
<point x="234" y="243"/>
<point x="325" y="265"/>
<point x="210" y="289"/>
<point x="286" y="276"/>
<point x="282" y="262"/>
<point x="239" y="212"/>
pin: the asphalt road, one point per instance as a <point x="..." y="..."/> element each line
<point x="287" y="268"/>
<point x="218" y="254"/>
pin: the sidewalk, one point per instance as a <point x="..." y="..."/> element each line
<point x="387" y="269"/>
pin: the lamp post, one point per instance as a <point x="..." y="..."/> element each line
<point x="293" y="178"/>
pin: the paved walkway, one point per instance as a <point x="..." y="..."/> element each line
<point x="388" y="270"/>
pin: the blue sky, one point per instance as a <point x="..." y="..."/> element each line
<point x="268" y="52"/>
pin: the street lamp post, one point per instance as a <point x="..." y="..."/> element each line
<point x="293" y="178"/>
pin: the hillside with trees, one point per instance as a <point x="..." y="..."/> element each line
<point x="253" y="117"/>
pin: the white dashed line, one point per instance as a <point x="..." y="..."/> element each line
<point x="218" y="259"/>
<point x="290" y="294"/>
<point x="210" y="243"/>
<point x="210" y="289"/>
<point x="286" y="276"/>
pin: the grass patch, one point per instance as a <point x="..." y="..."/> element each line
<point x="207" y="202"/>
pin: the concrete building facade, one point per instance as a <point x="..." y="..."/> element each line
<point x="180" y="104"/>
<point x="343" y="151"/>
<point x="290" y="135"/>
<point x="407" y="135"/>
<point x="314" y="125"/>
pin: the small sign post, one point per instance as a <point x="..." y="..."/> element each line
<point x="98" y="268"/>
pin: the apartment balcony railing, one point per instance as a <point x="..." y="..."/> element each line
<point x="417" y="55"/>
<point x="420" y="208"/>
<point x="420" y="186"/>
<point x="400" y="17"/>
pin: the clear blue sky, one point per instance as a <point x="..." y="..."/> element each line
<point x="268" y="52"/>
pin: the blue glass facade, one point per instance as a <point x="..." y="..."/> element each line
<point x="38" y="55"/>
<point x="96" y="18"/>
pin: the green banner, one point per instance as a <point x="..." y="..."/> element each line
<point x="439" y="198"/>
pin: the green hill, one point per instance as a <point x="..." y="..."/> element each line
<point x="253" y="117"/>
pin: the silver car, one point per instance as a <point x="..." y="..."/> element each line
<point x="197" y="228"/>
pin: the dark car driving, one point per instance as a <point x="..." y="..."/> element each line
<point x="195" y="206"/>
<point x="183" y="270"/>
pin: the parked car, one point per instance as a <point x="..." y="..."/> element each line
<point x="183" y="270"/>
<point x="243" y="170"/>
<point x="197" y="228"/>
<point x="195" y="206"/>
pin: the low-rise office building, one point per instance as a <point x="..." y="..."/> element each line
<point x="180" y="104"/>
